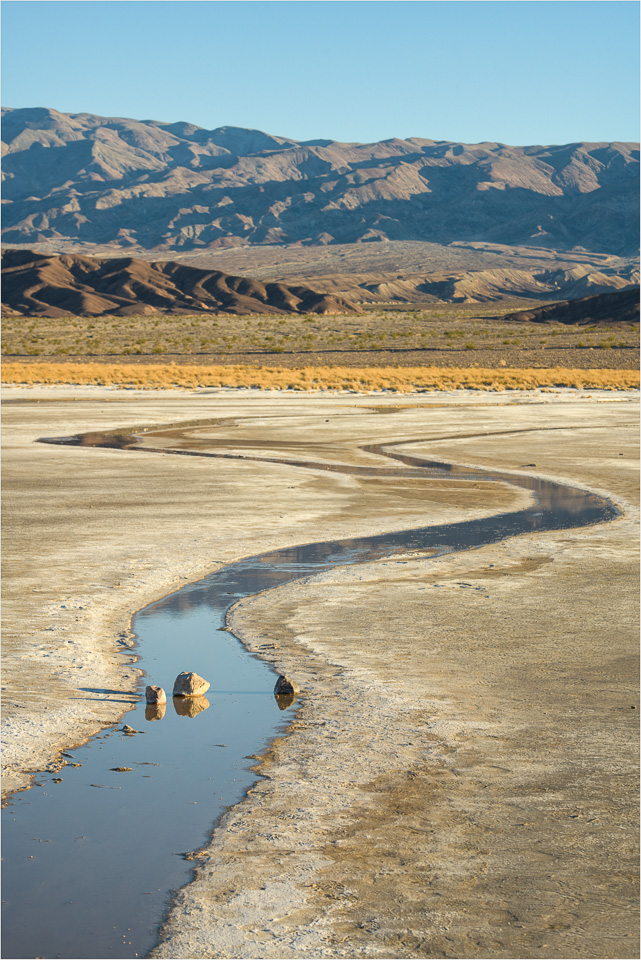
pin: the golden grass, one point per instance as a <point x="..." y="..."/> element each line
<point x="360" y="380"/>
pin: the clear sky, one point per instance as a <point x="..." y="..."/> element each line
<point x="514" y="71"/>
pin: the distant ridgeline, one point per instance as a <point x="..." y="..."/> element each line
<point x="41" y="285"/>
<point x="609" y="308"/>
<point x="151" y="185"/>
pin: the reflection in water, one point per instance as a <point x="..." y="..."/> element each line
<point x="155" y="711"/>
<point x="114" y="441"/>
<point x="190" y="706"/>
<point x="285" y="700"/>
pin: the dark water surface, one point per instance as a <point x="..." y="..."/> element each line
<point x="90" y="862"/>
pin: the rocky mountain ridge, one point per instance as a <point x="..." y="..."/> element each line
<point x="175" y="186"/>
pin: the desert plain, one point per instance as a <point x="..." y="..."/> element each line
<point x="460" y="778"/>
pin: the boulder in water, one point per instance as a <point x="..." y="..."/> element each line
<point x="190" y="685"/>
<point x="286" y="686"/>
<point x="154" y="694"/>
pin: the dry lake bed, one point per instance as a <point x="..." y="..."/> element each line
<point x="460" y="777"/>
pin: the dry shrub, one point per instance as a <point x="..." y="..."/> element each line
<point x="359" y="380"/>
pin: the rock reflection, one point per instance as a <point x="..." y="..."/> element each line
<point x="285" y="700"/>
<point x="155" y="711"/>
<point x="190" y="706"/>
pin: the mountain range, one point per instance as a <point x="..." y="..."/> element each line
<point x="147" y="185"/>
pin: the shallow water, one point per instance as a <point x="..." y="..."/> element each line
<point x="107" y="846"/>
<point x="90" y="862"/>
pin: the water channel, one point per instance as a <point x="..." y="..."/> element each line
<point x="93" y="853"/>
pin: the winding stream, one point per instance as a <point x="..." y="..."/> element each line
<point x="93" y="853"/>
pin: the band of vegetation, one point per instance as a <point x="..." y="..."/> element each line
<point x="361" y="380"/>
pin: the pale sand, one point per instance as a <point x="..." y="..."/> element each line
<point x="460" y="778"/>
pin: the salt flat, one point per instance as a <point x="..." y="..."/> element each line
<point x="459" y="780"/>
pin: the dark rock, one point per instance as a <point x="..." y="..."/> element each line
<point x="286" y="686"/>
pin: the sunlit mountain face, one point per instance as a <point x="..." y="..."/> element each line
<point x="151" y="185"/>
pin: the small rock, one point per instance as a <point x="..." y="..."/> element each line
<point x="286" y="686"/>
<point x="121" y="769"/>
<point x="190" y="685"/>
<point x="154" y="694"/>
<point x="129" y="730"/>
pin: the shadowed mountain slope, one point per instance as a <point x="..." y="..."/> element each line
<point x="176" y="186"/>
<point x="34" y="284"/>
<point x="608" y="308"/>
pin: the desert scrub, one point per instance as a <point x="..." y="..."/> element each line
<point x="359" y="379"/>
<point x="439" y="327"/>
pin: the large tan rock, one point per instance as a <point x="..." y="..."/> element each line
<point x="190" y="685"/>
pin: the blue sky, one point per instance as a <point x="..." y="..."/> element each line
<point x="514" y="71"/>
